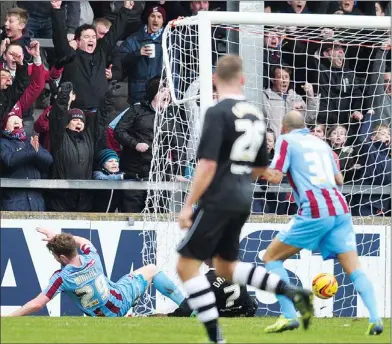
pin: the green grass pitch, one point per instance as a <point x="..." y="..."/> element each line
<point x="179" y="330"/>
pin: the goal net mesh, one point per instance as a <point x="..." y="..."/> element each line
<point x="340" y="80"/>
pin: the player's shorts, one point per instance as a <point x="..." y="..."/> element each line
<point x="213" y="232"/>
<point x="132" y="287"/>
<point x="331" y="235"/>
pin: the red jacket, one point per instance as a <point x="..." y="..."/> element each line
<point x="41" y="126"/>
<point x="31" y="93"/>
<point x="53" y="74"/>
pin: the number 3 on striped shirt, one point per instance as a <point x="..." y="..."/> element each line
<point x="320" y="167"/>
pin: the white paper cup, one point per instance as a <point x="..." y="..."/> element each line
<point x="152" y="47"/>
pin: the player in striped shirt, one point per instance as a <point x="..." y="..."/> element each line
<point x="82" y="278"/>
<point x="323" y="221"/>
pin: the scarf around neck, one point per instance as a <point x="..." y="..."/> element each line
<point x="155" y="35"/>
<point x="17" y="134"/>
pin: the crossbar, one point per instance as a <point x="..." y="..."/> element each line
<point x="293" y="19"/>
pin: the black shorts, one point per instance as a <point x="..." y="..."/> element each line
<point x="213" y="232"/>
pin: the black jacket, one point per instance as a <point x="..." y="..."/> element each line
<point x="340" y="91"/>
<point x="73" y="155"/>
<point x="11" y="95"/>
<point x="19" y="160"/>
<point x="42" y="9"/>
<point x="87" y="71"/>
<point x="110" y="10"/>
<point x="137" y="126"/>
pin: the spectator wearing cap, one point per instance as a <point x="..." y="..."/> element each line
<point x="87" y="70"/>
<point x="142" y="54"/>
<point x="73" y="137"/>
<point x="135" y="132"/>
<point x="108" y="201"/>
<point x="22" y="157"/>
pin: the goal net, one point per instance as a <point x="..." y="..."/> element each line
<point x="338" y="76"/>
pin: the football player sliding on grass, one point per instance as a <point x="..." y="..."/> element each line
<point x="82" y="278"/>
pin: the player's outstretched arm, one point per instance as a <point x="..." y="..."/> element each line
<point x="49" y="234"/>
<point x="32" y="306"/>
<point x="270" y="175"/>
<point x="82" y="241"/>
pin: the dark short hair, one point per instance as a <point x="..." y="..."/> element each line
<point x="334" y="127"/>
<point x="84" y="27"/>
<point x="63" y="244"/>
<point x="271" y="131"/>
<point x="283" y="67"/>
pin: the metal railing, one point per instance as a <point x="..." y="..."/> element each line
<point x="164" y="186"/>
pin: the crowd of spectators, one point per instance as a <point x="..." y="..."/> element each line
<point x="98" y="91"/>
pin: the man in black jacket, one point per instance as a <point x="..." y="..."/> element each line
<point x="87" y="70"/>
<point x="73" y="139"/>
<point x="341" y="93"/>
<point x="135" y="132"/>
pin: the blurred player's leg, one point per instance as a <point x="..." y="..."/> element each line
<point x="341" y="241"/>
<point x="161" y="282"/>
<point x="289" y="319"/>
<point x="201" y="297"/>
<point x="278" y="252"/>
<point x="365" y="289"/>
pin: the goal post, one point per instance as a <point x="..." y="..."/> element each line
<point x="191" y="47"/>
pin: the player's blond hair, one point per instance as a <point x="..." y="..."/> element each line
<point x="229" y="68"/>
<point x="20" y="13"/>
<point x="63" y="244"/>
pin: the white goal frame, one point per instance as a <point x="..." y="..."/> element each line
<point x="205" y="19"/>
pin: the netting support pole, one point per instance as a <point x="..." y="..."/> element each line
<point x="233" y="36"/>
<point x="205" y="63"/>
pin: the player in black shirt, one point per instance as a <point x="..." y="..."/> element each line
<point x="232" y="300"/>
<point x="232" y="146"/>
